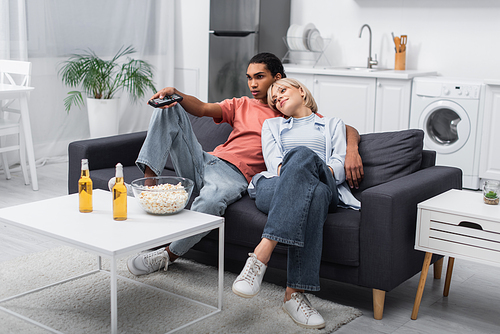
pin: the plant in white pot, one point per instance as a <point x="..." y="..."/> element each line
<point x="100" y="80"/>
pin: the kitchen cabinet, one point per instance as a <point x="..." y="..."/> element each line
<point x="489" y="163"/>
<point x="350" y="99"/>
<point x="370" y="101"/>
<point x="306" y="79"/>
<point x="367" y="104"/>
<point x="392" y="107"/>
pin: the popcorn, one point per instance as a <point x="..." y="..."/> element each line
<point x="157" y="201"/>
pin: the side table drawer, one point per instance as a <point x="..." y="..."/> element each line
<point x="460" y="235"/>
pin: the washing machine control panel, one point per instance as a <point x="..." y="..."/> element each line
<point x="461" y="91"/>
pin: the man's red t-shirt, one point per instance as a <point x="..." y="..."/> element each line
<point x="243" y="148"/>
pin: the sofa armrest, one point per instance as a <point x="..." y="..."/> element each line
<point x="103" y="153"/>
<point x="428" y="159"/>
<point x="388" y="223"/>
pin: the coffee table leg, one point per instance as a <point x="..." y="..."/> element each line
<point x="114" y="307"/>
<point x="221" y="266"/>
<point x="449" y="270"/>
<point x="421" y="285"/>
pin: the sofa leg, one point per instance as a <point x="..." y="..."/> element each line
<point x="378" y="304"/>
<point x="438" y="268"/>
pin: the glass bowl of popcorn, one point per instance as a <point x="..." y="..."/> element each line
<point x="162" y="195"/>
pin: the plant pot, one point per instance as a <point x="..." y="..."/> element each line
<point x="490" y="192"/>
<point x="103" y="117"/>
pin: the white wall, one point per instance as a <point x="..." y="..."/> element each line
<point x="456" y="38"/>
<point x="53" y="129"/>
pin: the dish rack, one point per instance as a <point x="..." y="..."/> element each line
<point x="299" y="53"/>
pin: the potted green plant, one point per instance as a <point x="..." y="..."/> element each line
<point x="490" y="192"/>
<point x="100" y="80"/>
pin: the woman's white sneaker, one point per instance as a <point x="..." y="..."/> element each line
<point x="299" y="308"/>
<point x="247" y="284"/>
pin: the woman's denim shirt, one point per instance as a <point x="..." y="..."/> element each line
<point x="335" y="139"/>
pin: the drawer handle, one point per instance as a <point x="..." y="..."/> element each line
<point x="470" y="225"/>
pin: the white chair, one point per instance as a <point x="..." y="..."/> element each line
<point x="17" y="73"/>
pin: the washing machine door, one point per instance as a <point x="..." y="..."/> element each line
<point x="446" y="126"/>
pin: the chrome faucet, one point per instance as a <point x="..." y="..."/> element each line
<point x="370" y="61"/>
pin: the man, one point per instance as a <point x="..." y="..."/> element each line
<point x="221" y="177"/>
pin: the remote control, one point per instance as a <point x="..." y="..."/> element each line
<point x="169" y="99"/>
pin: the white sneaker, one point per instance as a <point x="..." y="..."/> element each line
<point x="247" y="284"/>
<point x="111" y="184"/>
<point x="299" y="308"/>
<point x="148" y="262"/>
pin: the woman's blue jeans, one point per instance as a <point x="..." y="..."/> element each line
<point x="297" y="203"/>
<point x="218" y="182"/>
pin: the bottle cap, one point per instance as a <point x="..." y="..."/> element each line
<point x="119" y="170"/>
<point x="85" y="164"/>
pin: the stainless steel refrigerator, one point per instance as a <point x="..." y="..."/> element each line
<point x="239" y="29"/>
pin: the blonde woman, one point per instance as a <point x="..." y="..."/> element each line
<point x="305" y="179"/>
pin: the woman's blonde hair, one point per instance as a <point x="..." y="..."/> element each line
<point x="309" y="101"/>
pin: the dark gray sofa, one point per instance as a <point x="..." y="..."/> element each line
<point x="372" y="248"/>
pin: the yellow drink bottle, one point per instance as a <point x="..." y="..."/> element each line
<point x="85" y="188"/>
<point x="119" y="195"/>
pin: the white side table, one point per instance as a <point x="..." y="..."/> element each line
<point x="460" y="225"/>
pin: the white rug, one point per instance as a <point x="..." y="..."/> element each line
<point x="83" y="305"/>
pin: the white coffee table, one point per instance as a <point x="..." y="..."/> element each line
<point x="460" y="225"/>
<point x="97" y="233"/>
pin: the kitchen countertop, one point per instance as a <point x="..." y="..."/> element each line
<point x="495" y="82"/>
<point x="343" y="71"/>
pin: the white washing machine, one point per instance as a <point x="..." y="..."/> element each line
<point x="448" y="110"/>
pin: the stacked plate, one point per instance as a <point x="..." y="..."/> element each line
<point x="304" y="38"/>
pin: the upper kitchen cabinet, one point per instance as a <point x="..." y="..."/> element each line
<point x="489" y="163"/>
<point x="370" y="101"/>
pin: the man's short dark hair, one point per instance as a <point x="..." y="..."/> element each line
<point x="272" y="63"/>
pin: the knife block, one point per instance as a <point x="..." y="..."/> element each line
<point x="400" y="61"/>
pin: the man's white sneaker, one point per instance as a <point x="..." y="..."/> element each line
<point x="148" y="262"/>
<point x="247" y="284"/>
<point x="299" y="308"/>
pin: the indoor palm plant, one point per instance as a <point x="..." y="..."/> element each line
<point x="100" y="80"/>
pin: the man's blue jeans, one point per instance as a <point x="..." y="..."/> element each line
<point x="297" y="203"/>
<point x="218" y="182"/>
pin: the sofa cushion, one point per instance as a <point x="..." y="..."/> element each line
<point x="341" y="237"/>
<point x="245" y="223"/>
<point x="389" y="155"/>
<point x="209" y="134"/>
